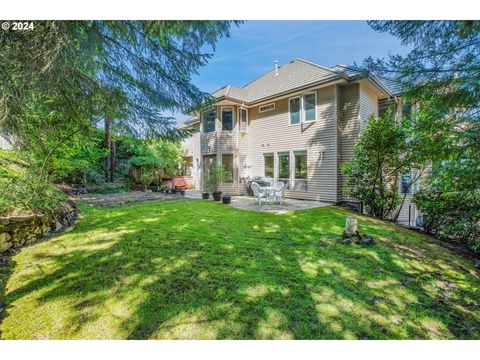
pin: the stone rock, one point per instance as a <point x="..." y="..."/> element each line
<point x="58" y="226"/>
<point x="477" y="265"/>
<point x="346" y="241"/>
<point x="351" y="226"/>
<point x="4" y="246"/>
<point x="366" y="240"/>
<point x="5" y="237"/>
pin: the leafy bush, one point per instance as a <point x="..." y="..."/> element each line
<point x="379" y="158"/>
<point x="453" y="215"/>
<point x="158" y="158"/>
<point x="79" y="161"/>
<point x="28" y="194"/>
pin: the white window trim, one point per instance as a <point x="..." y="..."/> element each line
<point x="264" y="106"/>
<point x="280" y="153"/>
<point x="273" y="156"/>
<point x="221" y="116"/>
<point x="299" y="110"/>
<point x="294" y="163"/>
<point x="203" y="121"/>
<point x="233" y="166"/>
<point x="304" y="117"/>
<point x="240" y="119"/>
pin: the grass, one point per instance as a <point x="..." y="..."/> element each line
<point x="192" y="269"/>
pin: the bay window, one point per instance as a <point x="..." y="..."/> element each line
<point x="227" y="118"/>
<point x="208" y="119"/>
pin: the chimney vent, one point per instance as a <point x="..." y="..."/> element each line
<point x="276" y="67"/>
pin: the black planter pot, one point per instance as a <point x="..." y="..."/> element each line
<point x="182" y="192"/>
<point x="162" y="190"/>
<point x="217" y="196"/>
<point x="226" y="199"/>
<point x="174" y="191"/>
<point x="205" y="196"/>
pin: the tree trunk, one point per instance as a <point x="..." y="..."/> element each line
<point x="113" y="155"/>
<point x="110" y="145"/>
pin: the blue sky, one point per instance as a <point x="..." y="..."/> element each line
<point x="253" y="47"/>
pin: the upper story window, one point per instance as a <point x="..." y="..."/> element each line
<point x="243" y="114"/>
<point x="310" y="106"/>
<point x="227" y="118"/>
<point x="267" y="107"/>
<point x="406" y="183"/>
<point x="208" y="119"/>
<point x="407" y="110"/>
<point x="303" y="108"/>
<point x="294" y="109"/>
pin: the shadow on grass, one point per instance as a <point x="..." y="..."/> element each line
<point x="193" y="269"/>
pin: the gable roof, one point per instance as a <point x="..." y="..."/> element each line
<point x="297" y="74"/>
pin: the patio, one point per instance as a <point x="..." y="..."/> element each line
<point x="248" y="203"/>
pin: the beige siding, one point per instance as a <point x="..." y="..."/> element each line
<point x="348" y="129"/>
<point x="270" y="132"/>
<point x="368" y="104"/>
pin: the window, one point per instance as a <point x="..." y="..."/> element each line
<point x="268" y="165"/>
<point x="284" y="168"/>
<point x="407" y="110"/>
<point x="294" y="109"/>
<point x="227" y="119"/>
<point x="208" y="165"/>
<point x="227" y="163"/>
<point x="243" y="119"/>
<point x="310" y="106"/>
<point x="300" y="182"/>
<point x="265" y="108"/>
<point x="209" y="120"/>
<point x="406" y="184"/>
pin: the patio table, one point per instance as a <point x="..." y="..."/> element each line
<point x="269" y="192"/>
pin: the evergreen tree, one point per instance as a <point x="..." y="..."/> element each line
<point x="64" y="76"/>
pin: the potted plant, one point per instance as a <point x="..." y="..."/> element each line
<point x="205" y="195"/>
<point x="226" y="199"/>
<point x="163" y="187"/>
<point x="214" y="180"/>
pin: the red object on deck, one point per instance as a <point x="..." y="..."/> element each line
<point x="182" y="182"/>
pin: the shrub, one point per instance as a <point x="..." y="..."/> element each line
<point x="379" y="158"/>
<point x="27" y="194"/>
<point x="453" y="215"/>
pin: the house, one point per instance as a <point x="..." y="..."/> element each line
<point x="297" y="123"/>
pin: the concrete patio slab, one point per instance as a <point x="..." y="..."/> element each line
<point x="248" y="203"/>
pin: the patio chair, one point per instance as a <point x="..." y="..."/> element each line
<point x="279" y="193"/>
<point x="258" y="193"/>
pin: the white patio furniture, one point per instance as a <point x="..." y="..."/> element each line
<point x="258" y="193"/>
<point x="279" y="193"/>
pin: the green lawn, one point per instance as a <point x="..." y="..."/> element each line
<point x="192" y="269"/>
